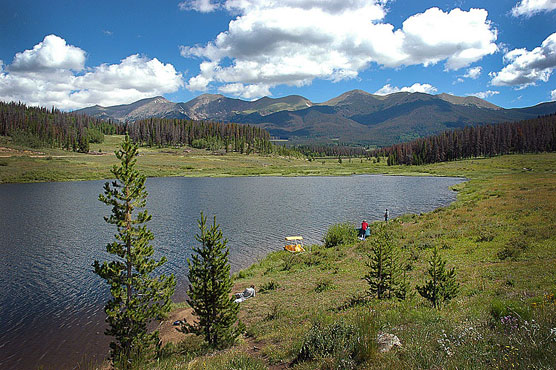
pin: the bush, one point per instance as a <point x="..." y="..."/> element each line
<point x="324" y="285"/>
<point x="502" y="309"/>
<point x="349" y="345"/>
<point x="28" y="139"/>
<point x="271" y="285"/>
<point x="340" y="234"/>
<point x="513" y="249"/>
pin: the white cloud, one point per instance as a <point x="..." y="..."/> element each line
<point x="50" y="54"/>
<point x="553" y="95"/>
<point x="526" y="67"/>
<point x="529" y="8"/>
<point x="41" y="77"/>
<point x="293" y="42"/>
<point x="245" y="91"/>
<point x="484" y="94"/>
<point x="416" y="87"/>
<point x="473" y="73"/>
<point x="459" y="37"/>
<point x="203" y="6"/>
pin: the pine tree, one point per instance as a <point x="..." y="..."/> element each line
<point x="443" y="286"/>
<point x="138" y="298"/>
<point x="210" y="289"/>
<point x="382" y="264"/>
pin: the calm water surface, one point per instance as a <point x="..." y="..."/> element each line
<point x="51" y="301"/>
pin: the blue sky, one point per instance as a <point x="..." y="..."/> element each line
<point x="73" y="54"/>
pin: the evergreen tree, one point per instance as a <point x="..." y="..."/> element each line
<point x="138" y="298"/>
<point x="382" y="264"/>
<point x="210" y="289"/>
<point x="443" y="286"/>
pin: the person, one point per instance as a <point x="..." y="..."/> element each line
<point x="364" y="227"/>
<point x="386" y="214"/>
<point x="247" y="293"/>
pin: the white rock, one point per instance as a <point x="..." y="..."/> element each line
<point x="387" y="341"/>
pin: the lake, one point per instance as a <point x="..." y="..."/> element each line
<point x="51" y="306"/>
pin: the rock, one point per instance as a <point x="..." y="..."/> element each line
<point x="387" y="341"/>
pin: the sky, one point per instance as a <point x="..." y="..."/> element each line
<point x="77" y="53"/>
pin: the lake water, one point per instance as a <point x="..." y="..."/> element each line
<point x="51" y="302"/>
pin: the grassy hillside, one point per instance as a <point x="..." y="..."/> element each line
<point x="499" y="237"/>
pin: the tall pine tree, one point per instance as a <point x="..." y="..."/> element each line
<point x="210" y="289"/>
<point x="382" y="263"/>
<point x="386" y="277"/>
<point x="138" y="297"/>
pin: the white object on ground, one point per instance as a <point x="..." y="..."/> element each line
<point x="247" y="293"/>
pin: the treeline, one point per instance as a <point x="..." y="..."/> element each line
<point x="315" y="150"/>
<point x="41" y="127"/>
<point x="201" y="134"/>
<point x="534" y="135"/>
<point x="50" y="128"/>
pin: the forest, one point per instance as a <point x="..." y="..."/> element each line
<point x="200" y="134"/>
<point x="528" y="136"/>
<point x="339" y="150"/>
<point x="39" y="127"/>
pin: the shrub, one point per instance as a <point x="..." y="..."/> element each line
<point x="324" y="285"/>
<point x="503" y="309"/>
<point x="349" y="345"/>
<point x="340" y="234"/>
<point x="274" y="313"/>
<point x="271" y="285"/>
<point x="513" y="249"/>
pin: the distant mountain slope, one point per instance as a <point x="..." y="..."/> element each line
<point x="144" y="108"/>
<point x="355" y="116"/>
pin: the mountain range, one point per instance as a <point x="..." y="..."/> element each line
<point x="353" y="117"/>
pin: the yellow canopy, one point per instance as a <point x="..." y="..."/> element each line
<point x="290" y="238"/>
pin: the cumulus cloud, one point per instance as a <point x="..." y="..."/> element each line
<point x="245" y="91"/>
<point x="50" y="54"/>
<point x="54" y="74"/>
<point x="416" y="87"/>
<point x="525" y="68"/>
<point x="529" y="8"/>
<point x="203" y="6"/>
<point x="293" y="42"/>
<point x="473" y="73"/>
<point x="484" y="94"/>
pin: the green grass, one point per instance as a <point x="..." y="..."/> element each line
<point x="502" y="209"/>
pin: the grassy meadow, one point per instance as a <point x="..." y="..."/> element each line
<point x="311" y="309"/>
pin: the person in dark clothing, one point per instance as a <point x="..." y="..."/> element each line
<point x="386" y="214"/>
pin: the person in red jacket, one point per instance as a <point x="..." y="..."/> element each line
<point x="364" y="227"/>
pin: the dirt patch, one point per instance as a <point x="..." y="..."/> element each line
<point x="168" y="331"/>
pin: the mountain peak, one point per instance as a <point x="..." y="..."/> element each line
<point x="349" y="96"/>
<point x="467" y="100"/>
